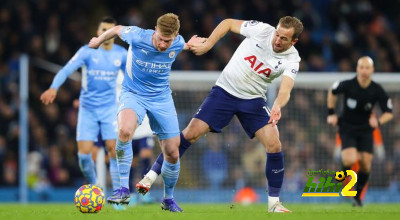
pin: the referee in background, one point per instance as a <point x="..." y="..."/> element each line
<point x="357" y="120"/>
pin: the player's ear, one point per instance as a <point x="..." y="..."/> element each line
<point x="295" y="41"/>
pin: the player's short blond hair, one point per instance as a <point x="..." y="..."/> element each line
<point x="292" y="22"/>
<point x="168" y="24"/>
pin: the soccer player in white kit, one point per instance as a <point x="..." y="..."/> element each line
<point x="265" y="54"/>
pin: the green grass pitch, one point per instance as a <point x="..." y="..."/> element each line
<point x="202" y="211"/>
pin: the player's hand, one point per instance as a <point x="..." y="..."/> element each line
<point x="332" y="120"/>
<point x="94" y="43"/>
<point x="196" y="40"/>
<point x="275" y="115"/>
<point x="373" y="121"/>
<point x="48" y="96"/>
<point x="199" y="46"/>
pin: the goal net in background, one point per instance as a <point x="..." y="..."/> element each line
<point x="219" y="165"/>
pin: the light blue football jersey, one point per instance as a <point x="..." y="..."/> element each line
<point x="147" y="69"/>
<point x="99" y="74"/>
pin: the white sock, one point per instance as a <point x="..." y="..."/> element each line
<point x="272" y="201"/>
<point x="152" y="176"/>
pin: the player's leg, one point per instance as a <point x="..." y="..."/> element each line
<point x="170" y="172"/>
<point x="274" y="168"/>
<point x="109" y="133"/>
<point x="86" y="163"/>
<point x="254" y="115"/>
<point x="130" y="114"/>
<point x="87" y="131"/>
<point x="145" y="158"/>
<point x="214" y="114"/>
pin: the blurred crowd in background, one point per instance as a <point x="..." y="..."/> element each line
<point x="337" y="33"/>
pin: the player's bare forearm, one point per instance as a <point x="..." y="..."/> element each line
<point x="284" y="91"/>
<point x="385" y="117"/>
<point x="226" y="25"/>
<point x="95" y="42"/>
<point x="331" y="100"/>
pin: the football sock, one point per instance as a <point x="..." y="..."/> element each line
<point x="145" y="163"/>
<point x="170" y="174"/>
<point x="185" y="144"/>
<point x="362" y="179"/>
<point x="114" y="174"/>
<point x="124" y="160"/>
<point x="86" y="165"/>
<point x="274" y="171"/>
<point x="132" y="177"/>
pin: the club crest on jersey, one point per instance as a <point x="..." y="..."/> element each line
<point x="259" y="67"/>
<point x="251" y="23"/>
<point x="171" y="54"/>
<point x="117" y="62"/>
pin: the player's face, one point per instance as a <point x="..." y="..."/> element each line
<point x="365" y="68"/>
<point x="103" y="27"/>
<point x="162" y="42"/>
<point x="283" y="39"/>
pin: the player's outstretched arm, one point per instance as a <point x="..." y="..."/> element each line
<point x="95" y="42"/>
<point x="281" y="100"/>
<point x="332" y="118"/>
<point x="226" y="25"/>
<point x="193" y="41"/>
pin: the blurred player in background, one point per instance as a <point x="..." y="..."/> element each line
<point x="97" y="100"/>
<point x="357" y="121"/>
<point x="146" y="90"/>
<point x="265" y="54"/>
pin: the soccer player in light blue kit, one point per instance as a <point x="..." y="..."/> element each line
<point x="146" y="90"/>
<point x="98" y="102"/>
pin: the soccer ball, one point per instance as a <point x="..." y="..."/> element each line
<point x="89" y="199"/>
<point x="340" y="176"/>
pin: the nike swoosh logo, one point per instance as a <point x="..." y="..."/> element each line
<point x="259" y="46"/>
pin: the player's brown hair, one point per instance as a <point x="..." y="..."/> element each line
<point x="292" y="22"/>
<point x="168" y="24"/>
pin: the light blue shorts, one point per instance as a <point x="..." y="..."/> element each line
<point x="160" y="110"/>
<point x="93" y="121"/>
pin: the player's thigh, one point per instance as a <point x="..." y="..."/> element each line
<point x="269" y="138"/>
<point x="163" y="118"/>
<point x="217" y="110"/>
<point x="131" y="112"/>
<point x="195" y="130"/>
<point x="253" y="114"/>
<point x="108" y="122"/>
<point x="87" y="126"/>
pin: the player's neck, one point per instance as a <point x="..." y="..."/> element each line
<point x="364" y="83"/>
<point x="107" y="47"/>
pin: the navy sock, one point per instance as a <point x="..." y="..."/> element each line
<point x="145" y="163"/>
<point x="274" y="170"/>
<point x="185" y="144"/>
<point x="131" y="178"/>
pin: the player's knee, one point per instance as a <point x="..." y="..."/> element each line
<point x="171" y="156"/>
<point x="124" y="134"/>
<point x="274" y="146"/>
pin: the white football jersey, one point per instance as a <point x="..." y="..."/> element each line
<point x="254" y="64"/>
